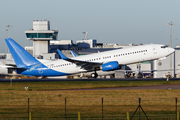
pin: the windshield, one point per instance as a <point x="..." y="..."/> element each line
<point x="165" y="46"/>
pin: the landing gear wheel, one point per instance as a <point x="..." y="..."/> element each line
<point x="112" y="76"/>
<point x="42" y="77"/>
<point x="94" y="75"/>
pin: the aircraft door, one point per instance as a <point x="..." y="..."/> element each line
<point x="154" y="50"/>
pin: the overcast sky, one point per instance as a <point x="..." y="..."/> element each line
<point x="108" y="21"/>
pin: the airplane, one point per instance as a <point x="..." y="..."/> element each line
<point x="105" y="61"/>
<point x="128" y="72"/>
<point x="7" y="67"/>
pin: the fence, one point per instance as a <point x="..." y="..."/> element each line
<point x="39" y="106"/>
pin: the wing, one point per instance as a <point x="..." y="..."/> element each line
<point x="84" y="64"/>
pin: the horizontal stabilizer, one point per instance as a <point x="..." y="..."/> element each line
<point x="18" y="70"/>
<point x="22" y="69"/>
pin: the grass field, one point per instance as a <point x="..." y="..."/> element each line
<point x="78" y="84"/>
<point x="46" y="98"/>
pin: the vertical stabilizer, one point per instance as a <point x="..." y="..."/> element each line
<point x="21" y="57"/>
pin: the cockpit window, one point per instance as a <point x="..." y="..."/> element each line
<point x="165" y="46"/>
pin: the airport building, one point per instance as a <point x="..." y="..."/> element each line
<point x="41" y="36"/>
<point x="170" y="66"/>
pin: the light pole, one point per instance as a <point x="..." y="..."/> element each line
<point x="171" y="43"/>
<point x="6" y="37"/>
<point x="8" y="29"/>
<point x="86" y="33"/>
<point x="170" y="32"/>
<point x="8" y="34"/>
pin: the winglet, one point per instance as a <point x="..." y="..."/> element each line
<point x="62" y="55"/>
<point x="74" y="55"/>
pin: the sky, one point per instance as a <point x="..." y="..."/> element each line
<point x="108" y="21"/>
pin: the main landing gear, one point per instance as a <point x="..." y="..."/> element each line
<point x="94" y="75"/>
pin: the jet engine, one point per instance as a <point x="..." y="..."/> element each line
<point x="110" y="66"/>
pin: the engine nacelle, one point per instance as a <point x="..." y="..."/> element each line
<point x="110" y="66"/>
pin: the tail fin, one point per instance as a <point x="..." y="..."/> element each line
<point x="21" y="57"/>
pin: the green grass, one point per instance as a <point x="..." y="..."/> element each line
<point x="13" y="100"/>
<point x="79" y="84"/>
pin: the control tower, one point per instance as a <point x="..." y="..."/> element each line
<point x="41" y="36"/>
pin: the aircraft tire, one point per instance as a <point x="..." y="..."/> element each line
<point x="94" y="75"/>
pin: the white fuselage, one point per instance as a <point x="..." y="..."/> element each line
<point x="122" y="56"/>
